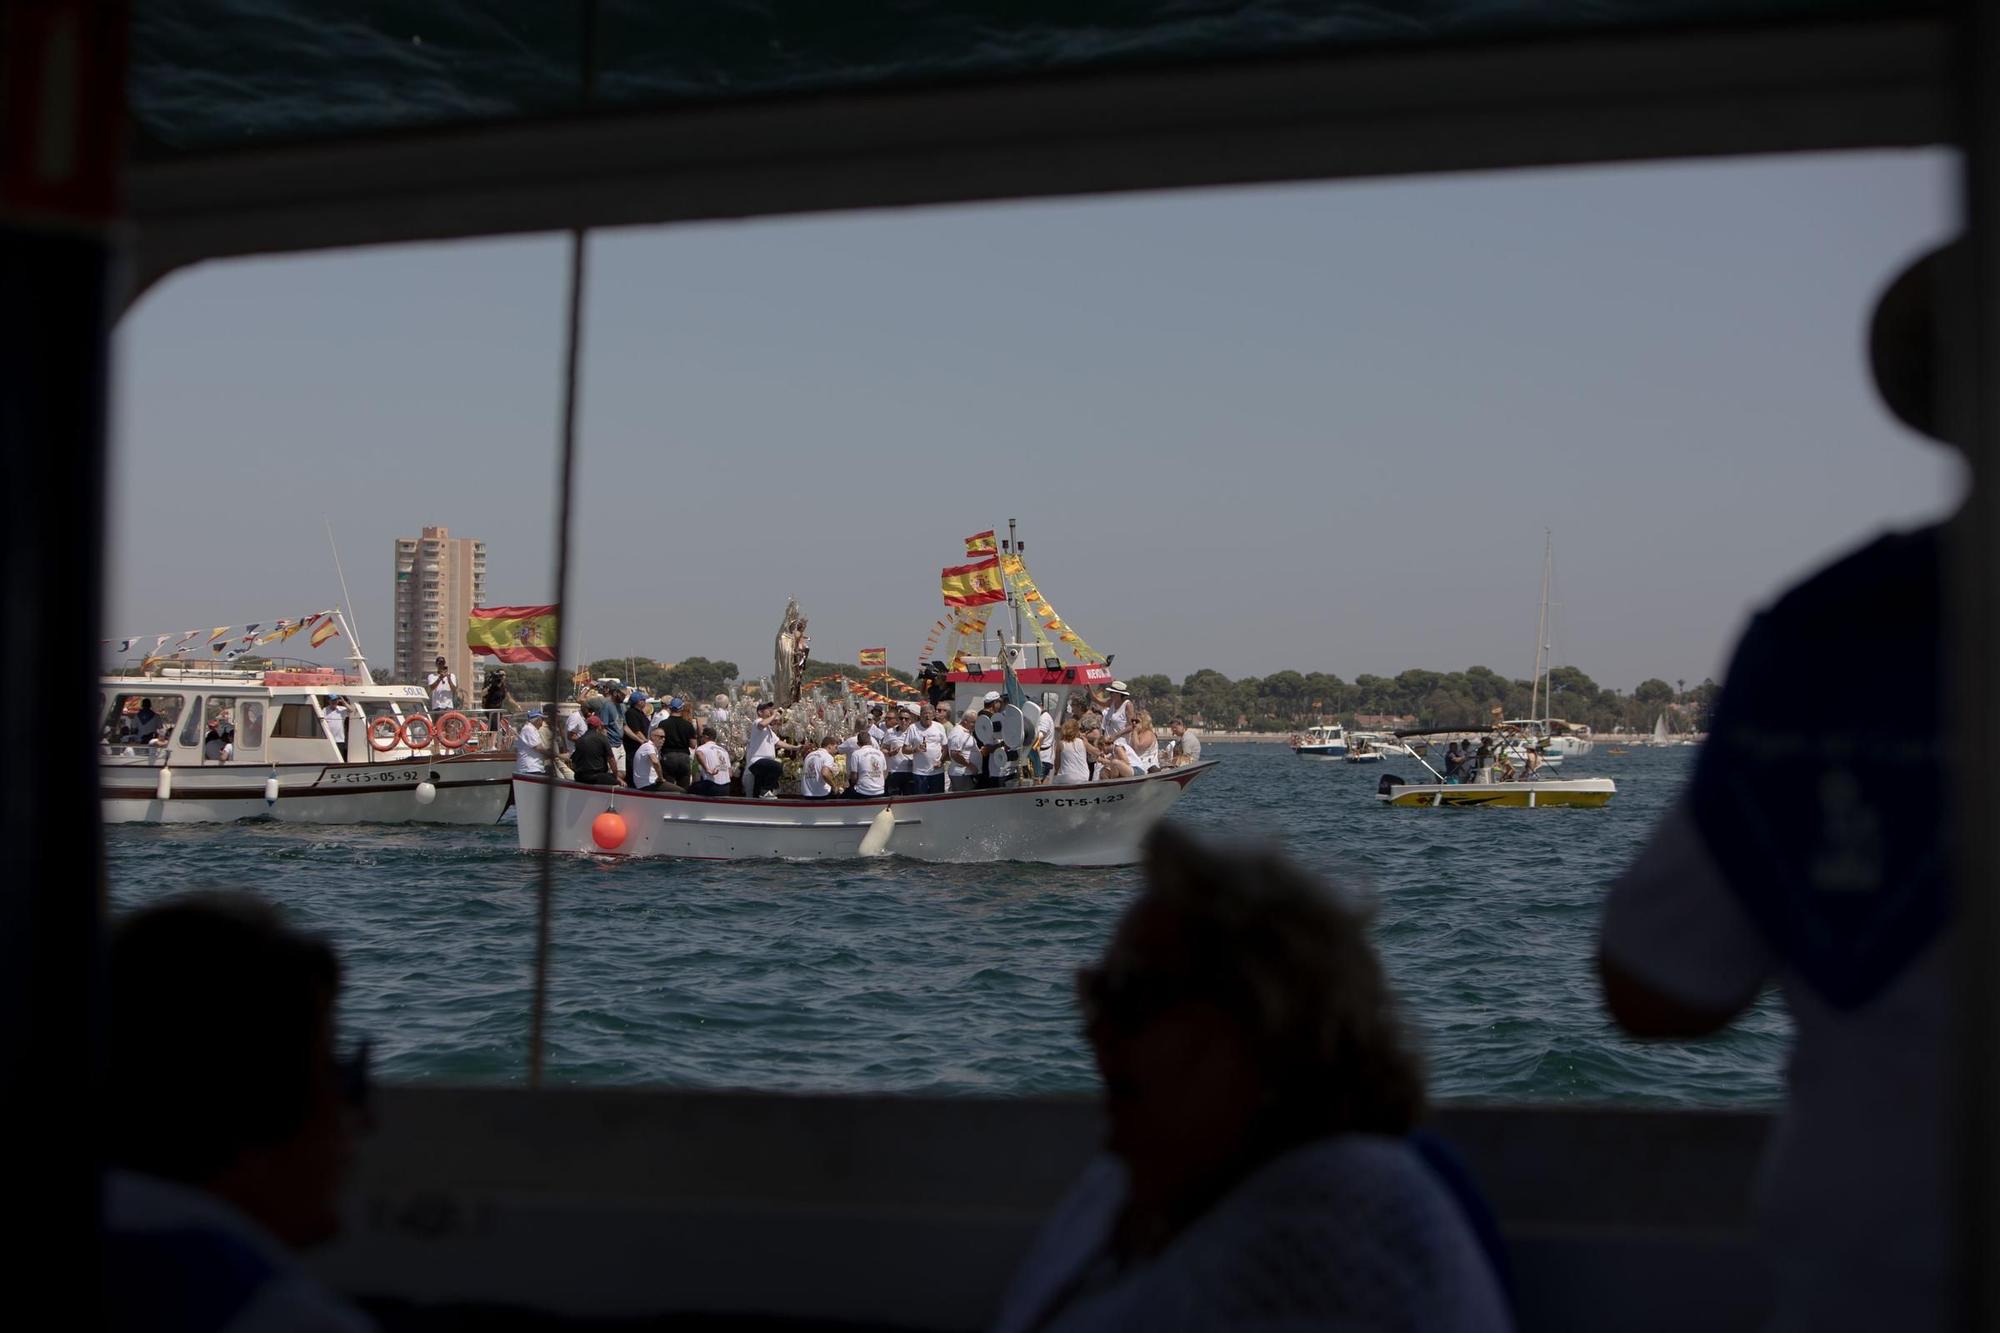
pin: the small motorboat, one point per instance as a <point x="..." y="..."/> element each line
<point x="1323" y="742"/>
<point x="1500" y="782"/>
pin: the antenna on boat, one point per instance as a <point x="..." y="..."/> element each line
<point x="1541" y="625"/>
<point x="355" y="657"/>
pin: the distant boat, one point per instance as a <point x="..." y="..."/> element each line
<point x="1662" y="735"/>
<point x="1323" y="742"/>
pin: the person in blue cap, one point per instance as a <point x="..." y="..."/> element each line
<point x="635" y="726"/>
<point x="1809" y="855"/>
<point x="677" y="742"/>
<point x="534" y="745"/>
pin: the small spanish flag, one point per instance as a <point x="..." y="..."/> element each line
<point x="974" y="584"/>
<point x="875" y="657"/>
<point x="980" y="543"/>
<point x="327" y="629"/>
<point x="513" y="633"/>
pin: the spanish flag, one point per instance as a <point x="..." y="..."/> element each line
<point x="513" y="633"/>
<point x="974" y="584"/>
<point x="980" y="543"/>
<point x="327" y="629"/>
<point x="875" y="657"/>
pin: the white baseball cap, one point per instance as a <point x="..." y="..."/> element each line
<point x="992" y="697"/>
<point x="909" y="707"/>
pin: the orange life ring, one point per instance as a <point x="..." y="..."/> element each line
<point x="384" y="741"/>
<point x="454" y="731"/>
<point x="410" y="735"/>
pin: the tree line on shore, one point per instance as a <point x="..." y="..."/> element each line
<point x="1287" y="700"/>
<point x="1281" y="701"/>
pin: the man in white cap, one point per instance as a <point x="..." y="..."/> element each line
<point x="898" y="744"/>
<point x="534" y="747"/>
<point x="1118" y="712"/>
<point x="996" y="762"/>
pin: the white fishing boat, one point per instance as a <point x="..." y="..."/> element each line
<point x="1503" y="782"/>
<point x="1372" y="747"/>
<point x="203" y="743"/>
<point x="1323" y="742"/>
<point x="1089" y="824"/>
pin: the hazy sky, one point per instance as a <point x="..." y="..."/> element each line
<point x="1313" y="427"/>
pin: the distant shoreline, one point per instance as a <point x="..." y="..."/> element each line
<point x="1285" y="737"/>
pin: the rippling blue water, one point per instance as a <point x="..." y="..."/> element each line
<point x="890" y="975"/>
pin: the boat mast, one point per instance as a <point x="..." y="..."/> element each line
<point x="1541" y="628"/>
<point x="1013" y="602"/>
<point x="354" y="658"/>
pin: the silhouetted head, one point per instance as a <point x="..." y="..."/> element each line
<point x="1904" y="346"/>
<point x="1238" y="1011"/>
<point x="222" y="1073"/>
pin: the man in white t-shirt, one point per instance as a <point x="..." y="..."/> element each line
<point x="925" y="740"/>
<point x="335" y="714"/>
<point x="820" y="766"/>
<point x="443" y="685"/>
<point x="762" y="769"/>
<point x="961" y="751"/>
<point x="534" y="746"/>
<point x="867" y="769"/>
<point x="646" y="763"/>
<point x="904" y="739"/>
<point x="711" y="766"/>
<point x="1186" y="745"/>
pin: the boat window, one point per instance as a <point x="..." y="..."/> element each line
<point x="250" y="724"/>
<point x="125" y="718"/>
<point x="191" y="733"/>
<point x="1362" y="404"/>
<point x="295" y="722"/>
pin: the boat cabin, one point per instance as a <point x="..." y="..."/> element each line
<point x="202" y="714"/>
<point x="1045" y="679"/>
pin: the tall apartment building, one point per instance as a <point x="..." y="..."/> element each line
<point x="439" y="579"/>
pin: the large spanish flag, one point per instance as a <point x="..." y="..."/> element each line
<point x="513" y="633"/>
<point x="973" y="584"/>
<point x="875" y="657"/>
<point x="980" y="543"/>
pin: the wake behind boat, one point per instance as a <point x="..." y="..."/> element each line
<point x="1090" y="824"/>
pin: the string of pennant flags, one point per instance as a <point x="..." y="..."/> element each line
<point x="228" y="642"/>
<point x="1046" y="620"/>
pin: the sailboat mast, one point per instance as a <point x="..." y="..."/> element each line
<point x="1541" y="627"/>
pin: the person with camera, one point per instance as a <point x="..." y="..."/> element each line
<point x="997" y="761"/>
<point x="443" y="686"/>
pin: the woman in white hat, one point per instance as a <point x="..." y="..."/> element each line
<point x="1117" y="712"/>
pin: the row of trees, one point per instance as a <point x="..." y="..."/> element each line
<point x="1281" y="701"/>
<point x="1286" y="700"/>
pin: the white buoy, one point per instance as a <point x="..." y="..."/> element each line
<point x="426" y="793"/>
<point x="271" y="790"/>
<point x="164" y="789"/>
<point x="876" y="841"/>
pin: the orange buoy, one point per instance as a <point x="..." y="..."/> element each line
<point x="384" y="733"/>
<point x="608" y="830"/>
<point x="454" y="730"/>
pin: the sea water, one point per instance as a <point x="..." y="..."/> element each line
<point x="890" y="975"/>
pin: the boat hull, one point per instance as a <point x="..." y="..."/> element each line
<point x="1332" y="751"/>
<point x="1092" y="824"/>
<point x="467" y="791"/>
<point x="1586" y="792"/>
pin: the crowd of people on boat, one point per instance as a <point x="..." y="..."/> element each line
<point x="620" y="737"/>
